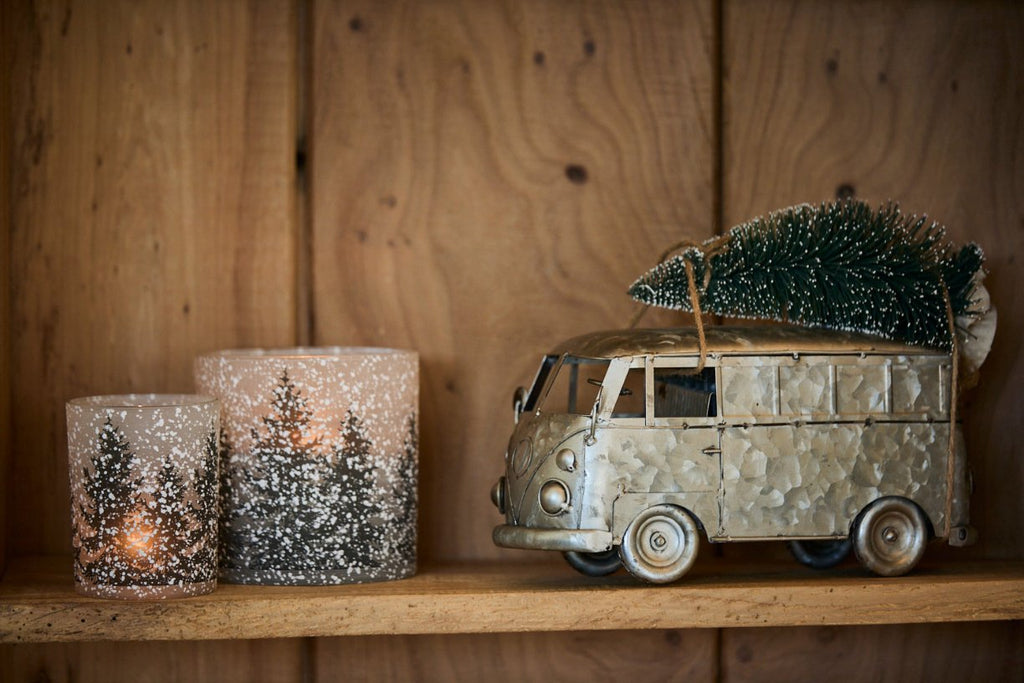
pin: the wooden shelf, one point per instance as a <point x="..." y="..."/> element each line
<point x="38" y="603"/>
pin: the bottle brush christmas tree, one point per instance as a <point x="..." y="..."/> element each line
<point x="839" y="266"/>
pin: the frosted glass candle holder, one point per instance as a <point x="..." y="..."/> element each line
<point x="143" y="474"/>
<point x="319" y="459"/>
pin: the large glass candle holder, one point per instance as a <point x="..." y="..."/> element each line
<point x="143" y="473"/>
<point x="319" y="461"/>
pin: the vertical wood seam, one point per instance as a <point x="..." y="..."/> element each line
<point x="718" y="664"/>
<point x="308" y="660"/>
<point x="305" y="301"/>
<point x="305" y="314"/>
<point x="718" y="115"/>
<point x="6" y="288"/>
<point x="717" y="201"/>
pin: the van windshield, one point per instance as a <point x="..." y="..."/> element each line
<point x="574" y="389"/>
<point x="538" y="382"/>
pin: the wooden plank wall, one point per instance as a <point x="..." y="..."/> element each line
<point x="682" y="656"/>
<point x="153" y="218"/>
<point x="920" y="102"/>
<point x="487" y="179"/>
<point x="213" y="660"/>
<point x="987" y="651"/>
<point x="476" y="181"/>
<point x="153" y="212"/>
<point x="6" y="139"/>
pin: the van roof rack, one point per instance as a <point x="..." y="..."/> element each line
<point x="758" y="339"/>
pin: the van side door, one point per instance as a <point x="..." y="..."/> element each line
<point x="673" y="455"/>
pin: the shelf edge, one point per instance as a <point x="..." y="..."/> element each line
<point x="493" y="599"/>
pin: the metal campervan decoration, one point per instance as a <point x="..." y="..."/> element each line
<point x="835" y="433"/>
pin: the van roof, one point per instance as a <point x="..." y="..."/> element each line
<point x="726" y="340"/>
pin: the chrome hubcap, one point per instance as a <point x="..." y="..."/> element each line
<point x="662" y="542"/>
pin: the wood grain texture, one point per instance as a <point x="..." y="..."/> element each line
<point x="919" y="652"/>
<point x="130" y="662"/>
<point x="6" y="442"/>
<point x="153" y="211"/>
<point x="488" y="179"/>
<point x="37" y="602"/>
<point x="919" y="102"/>
<point x="578" y="656"/>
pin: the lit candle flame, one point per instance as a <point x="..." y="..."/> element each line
<point x="139" y="541"/>
<point x="307" y="438"/>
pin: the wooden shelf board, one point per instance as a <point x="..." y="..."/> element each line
<point x="38" y="603"/>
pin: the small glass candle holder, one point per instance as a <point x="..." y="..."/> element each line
<point x="319" y="461"/>
<point x="144" y="494"/>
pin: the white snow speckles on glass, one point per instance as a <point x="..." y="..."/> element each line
<point x="319" y="463"/>
<point x="143" y="474"/>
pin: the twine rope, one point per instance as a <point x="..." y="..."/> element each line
<point x="707" y="249"/>
<point x="954" y="399"/>
<point x="697" y="317"/>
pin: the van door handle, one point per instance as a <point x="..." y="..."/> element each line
<point x="712" y="450"/>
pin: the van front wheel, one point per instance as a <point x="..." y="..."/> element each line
<point x="660" y="545"/>
<point x="594" y="564"/>
<point x="890" y="536"/>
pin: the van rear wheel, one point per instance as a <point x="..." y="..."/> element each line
<point x="660" y="544"/>
<point x="594" y="564"/>
<point x="890" y="535"/>
<point x="820" y="554"/>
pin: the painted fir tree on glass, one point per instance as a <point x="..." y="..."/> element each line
<point x="319" y="461"/>
<point x="143" y="495"/>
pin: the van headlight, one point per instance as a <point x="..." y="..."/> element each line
<point x="554" y="497"/>
<point x="498" y="495"/>
<point x="565" y="459"/>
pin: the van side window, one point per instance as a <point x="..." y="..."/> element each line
<point x="631" y="401"/>
<point x="678" y="392"/>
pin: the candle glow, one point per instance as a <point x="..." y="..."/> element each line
<point x="144" y="483"/>
<point x="139" y="542"/>
<point x="319" y="477"/>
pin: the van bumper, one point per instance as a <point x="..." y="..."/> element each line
<point x="962" y="536"/>
<point x="575" y="540"/>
